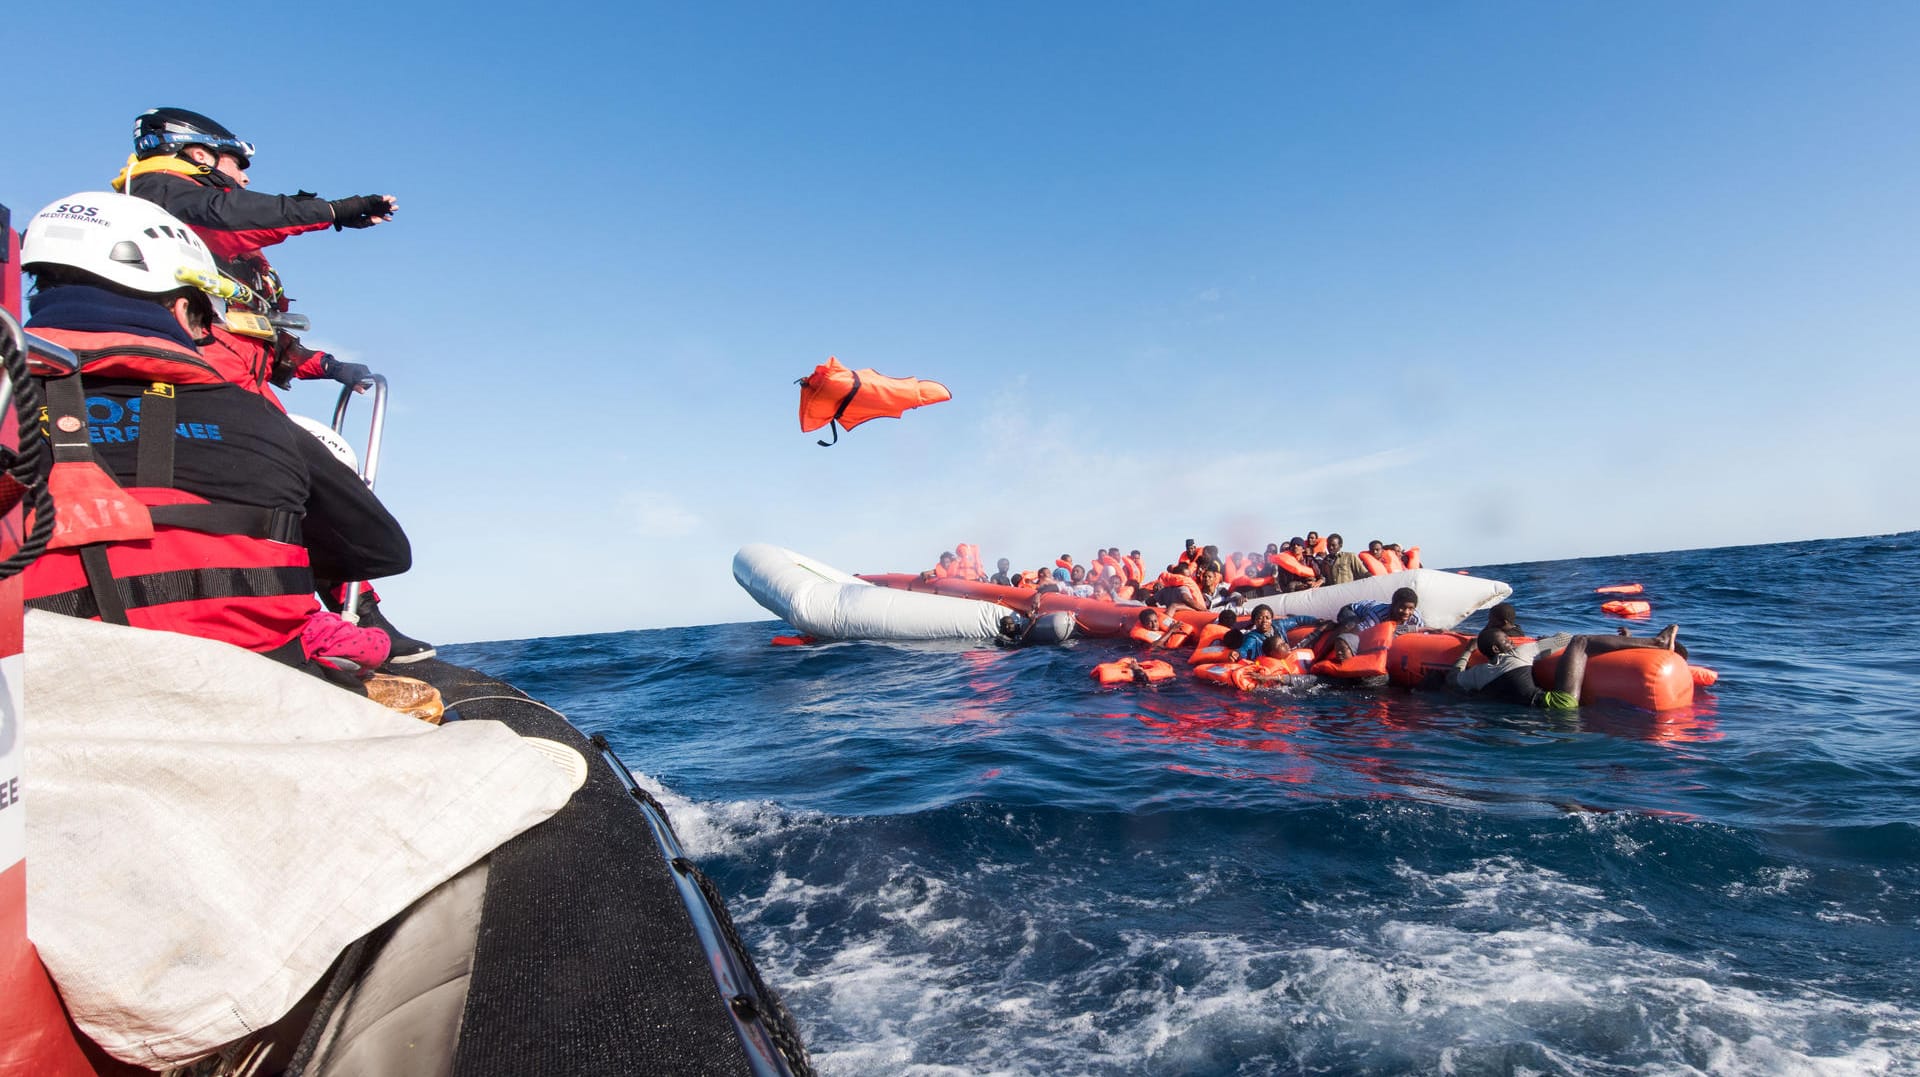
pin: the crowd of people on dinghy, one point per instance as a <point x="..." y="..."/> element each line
<point x="185" y="497"/>
<point x="1199" y="578"/>
<point x="1246" y="645"/>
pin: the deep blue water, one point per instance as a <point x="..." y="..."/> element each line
<point x="956" y="861"/>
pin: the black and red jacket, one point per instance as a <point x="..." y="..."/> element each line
<point x="235" y="223"/>
<point x="232" y="220"/>
<point x="245" y="507"/>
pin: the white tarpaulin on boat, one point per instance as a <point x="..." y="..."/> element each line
<point x="1446" y="598"/>
<point x="207" y="829"/>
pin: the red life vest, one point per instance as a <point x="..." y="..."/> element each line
<point x="151" y="555"/>
<point x="1128" y="671"/>
<point x="1292" y="565"/>
<point x="1369" y="661"/>
<point x="1375" y="565"/>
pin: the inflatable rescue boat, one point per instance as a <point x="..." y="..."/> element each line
<point x="829" y="604"/>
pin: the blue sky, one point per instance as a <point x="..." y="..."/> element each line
<point x="1507" y="280"/>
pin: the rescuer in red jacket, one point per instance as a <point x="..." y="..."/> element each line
<point x="196" y="170"/>
<point x="183" y="501"/>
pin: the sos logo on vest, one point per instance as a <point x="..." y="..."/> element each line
<point x="110" y="421"/>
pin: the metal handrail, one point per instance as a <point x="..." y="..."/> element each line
<point x="369" y="460"/>
<point x="49" y="353"/>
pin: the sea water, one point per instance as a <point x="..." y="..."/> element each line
<point x="957" y="860"/>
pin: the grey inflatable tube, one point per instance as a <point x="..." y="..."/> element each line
<point x="1050" y="628"/>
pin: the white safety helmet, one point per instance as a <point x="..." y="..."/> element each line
<point x="329" y="437"/>
<point x="125" y="240"/>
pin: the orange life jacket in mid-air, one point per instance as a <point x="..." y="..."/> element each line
<point x="834" y="396"/>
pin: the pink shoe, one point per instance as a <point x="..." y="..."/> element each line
<point x="328" y="636"/>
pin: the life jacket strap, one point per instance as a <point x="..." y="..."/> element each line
<point x="64" y="419"/>
<point x="833" y="424"/>
<point x="161" y="588"/>
<point x="154" y="464"/>
<point x="108" y="603"/>
<point x="247" y="521"/>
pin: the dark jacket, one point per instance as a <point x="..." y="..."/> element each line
<point x="229" y="447"/>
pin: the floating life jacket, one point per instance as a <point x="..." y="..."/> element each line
<point x="1620" y="589"/>
<point x="836" y="397"/>
<point x="154" y="556"/>
<point x="1205" y="655"/>
<point x="1210" y="634"/>
<point x="1262" y="672"/>
<point x="1621" y="607"/>
<point x="1129" y="671"/>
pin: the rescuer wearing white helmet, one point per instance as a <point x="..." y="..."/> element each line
<point x="207" y="510"/>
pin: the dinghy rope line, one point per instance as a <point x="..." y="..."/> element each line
<point x="23" y="472"/>
<point x="760" y="1006"/>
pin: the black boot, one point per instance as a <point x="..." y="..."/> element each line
<point x="405" y="648"/>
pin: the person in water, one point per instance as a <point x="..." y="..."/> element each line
<point x="246" y="507"/>
<point x="1258" y="632"/>
<point x="1508" y="673"/>
<point x="1404" y="610"/>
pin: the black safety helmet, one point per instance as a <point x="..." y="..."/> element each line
<point x="170" y="130"/>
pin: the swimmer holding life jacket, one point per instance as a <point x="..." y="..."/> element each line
<point x="1508" y="672"/>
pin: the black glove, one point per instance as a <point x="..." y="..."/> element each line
<point x="345" y="373"/>
<point x="359" y="211"/>
<point x="288" y="353"/>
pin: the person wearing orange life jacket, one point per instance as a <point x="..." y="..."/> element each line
<point x="1278" y="663"/>
<point x="944" y="570"/>
<point x="1508" y="673"/>
<point x="212" y="511"/>
<point x="1293" y="572"/>
<point x="1136" y="568"/>
<point x="1157" y="629"/>
<point x="1382" y="559"/>
<point x="1316" y="545"/>
<point x="1176" y="588"/>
